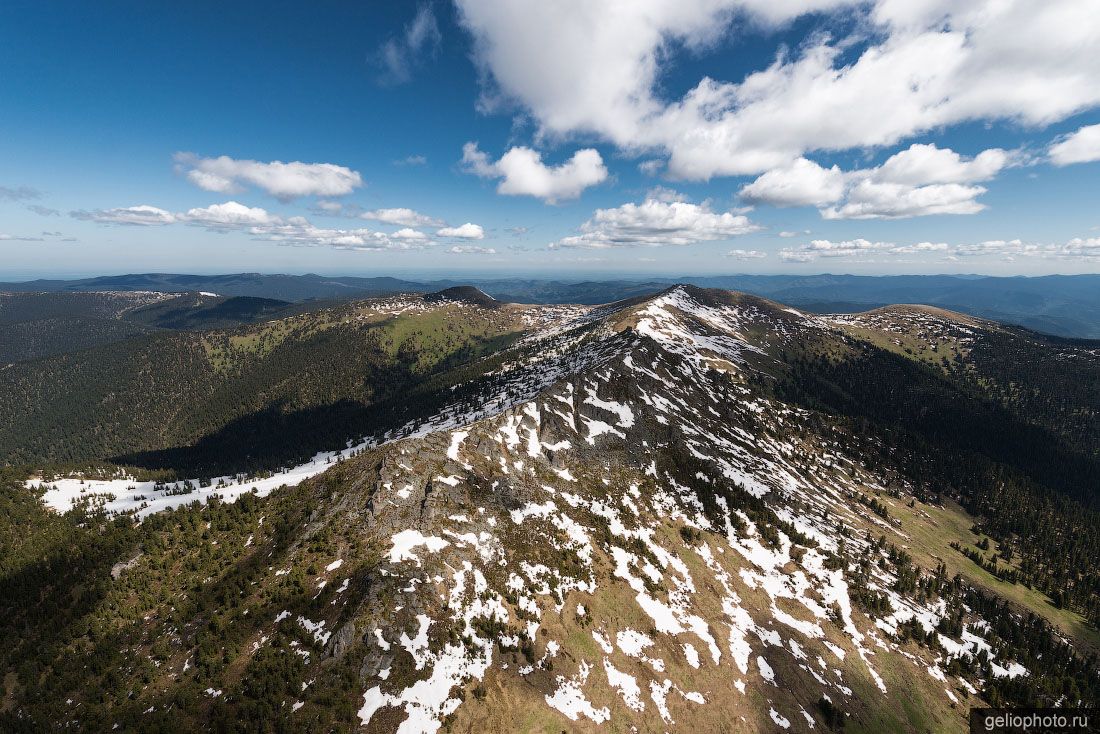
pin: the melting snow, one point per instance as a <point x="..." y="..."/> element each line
<point x="569" y="698"/>
<point x="405" y="541"/>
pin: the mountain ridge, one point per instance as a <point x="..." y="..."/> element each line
<point x="635" y="517"/>
<point x="1064" y="305"/>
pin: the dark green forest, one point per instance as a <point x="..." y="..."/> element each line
<point x="245" y="399"/>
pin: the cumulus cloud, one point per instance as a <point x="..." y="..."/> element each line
<point x="468" y="231"/>
<point x="923" y="65"/>
<point x="1082" y="146"/>
<point x="1076" y="249"/>
<point x="402" y="216"/>
<point x="923" y="164"/>
<point x="856" y="248"/>
<point x="410" y="235"/>
<point x="918" y="181"/>
<point x="230" y="215"/>
<point x="522" y="172"/>
<point x="1084" y="249"/>
<point x="263" y="225"/>
<point x="873" y="200"/>
<point x="300" y="232"/>
<point x="43" y="211"/>
<point x="284" y="181"/>
<point x="802" y="183"/>
<point x="657" y="222"/>
<point x="399" y="55"/>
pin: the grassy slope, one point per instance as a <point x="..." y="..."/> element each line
<point x="931" y="529"/>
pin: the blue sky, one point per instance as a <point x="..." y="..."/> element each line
<point x="569" y="137"/>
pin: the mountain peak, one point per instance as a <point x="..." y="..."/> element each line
<point x="684" y="508"/>
<point x="465" y="294"/>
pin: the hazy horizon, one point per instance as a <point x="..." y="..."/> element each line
<point x="476" y="275"/>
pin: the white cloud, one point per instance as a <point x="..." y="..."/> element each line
<point x="921" y="65"/>
<point x="262" y="225"/>
<point x="918" y="181"/>
<point x="1076" y="249"/>
<point x="745" y="255"/>
<point x="301" y="232"/>
<point x="921" y="164"/>
<point x="857" y="248"/>
<point x="284" y="181"/>
<point x="230" y="215"/>
<point x="871" y="200"/>
<point x="142" y="215"/>
<point x="399" y="55"/>
<point x="412" y="160"/>
<point x="402" y="216"/>
<point x="410" y="235"/>
<point x="471" y="250"/>
<point x="656" y="222"/>
<point x="802" y="183"/>
<point x="523" y="173"/>
<point x="468" y="231"/>
<point x="1079" y="248"/>
<point x="1082" y="248"/>
<point x="1082" y="146"/>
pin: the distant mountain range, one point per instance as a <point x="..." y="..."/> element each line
<point x="1063" y="305"/>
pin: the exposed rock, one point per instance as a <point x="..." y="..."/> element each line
<point x="341" y="641"/>
<point x="123" y="566"/>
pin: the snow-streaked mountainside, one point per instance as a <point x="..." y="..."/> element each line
<point x="629" y="532"/>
